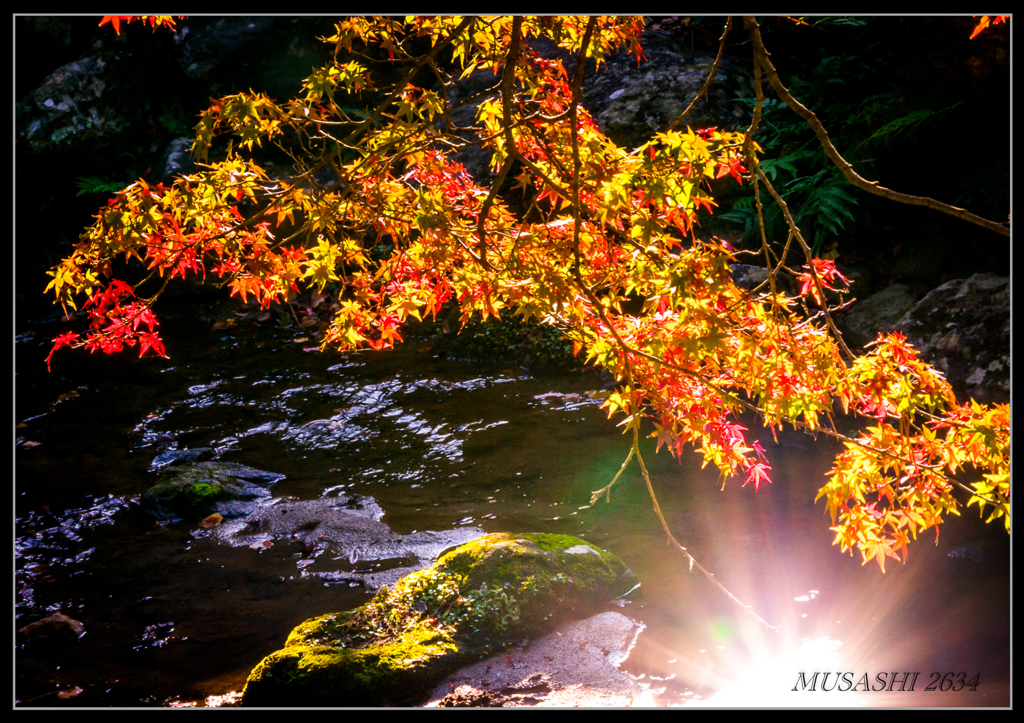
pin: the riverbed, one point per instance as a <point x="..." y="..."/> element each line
<point x="173" y="618"/>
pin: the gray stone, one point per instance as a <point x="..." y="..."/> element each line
<point x="749" y="277"/>
<point x="171" y="457"/>
<point x="631" y="103"/>
<point x="343" y="535"/>
<point x="577" y="666"/>
<point x="861" y="324"/>
<point x="72" y="109"/>
<point x="177" y="160"/>
<point x="963" y="328"/>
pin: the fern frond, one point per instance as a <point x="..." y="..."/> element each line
<point x="94" y="184"/>
<point x="912" y="122"/>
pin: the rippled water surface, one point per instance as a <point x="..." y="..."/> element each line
<point x="172" y="617"/>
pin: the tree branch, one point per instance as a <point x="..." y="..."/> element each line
<point x="761" y="58"/>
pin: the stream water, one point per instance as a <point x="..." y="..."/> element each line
<point x="172" y="617"/>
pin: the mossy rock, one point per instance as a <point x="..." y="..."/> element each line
<point x="202" y="488"/>
<point x="474" y="601"/>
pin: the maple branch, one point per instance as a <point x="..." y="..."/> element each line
<point x="508" y="79"/>
<point x="707" y="83"/>
<point x="761" y="58"/>
<point x="607" y="489"/>
<point x="693" y="562"/>
<point x="400" y="87"/>
<point x="634" y="422"/>
<point x="795" y="231"/>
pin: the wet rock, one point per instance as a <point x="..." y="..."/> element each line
<point x="963" y="328"/>
<point x="631" y="102"/>
<point x="575" y="666"/>
<point x="866" y="317"/>
<point x="979" y="551"/>
<point x="72" y="109"/>
<point x="56" y="627"/>
<point x="198" y="489"/>
<point x="182" y="456"/>
<point x="982" y="549"/>
<point x="479" y="597"/>
<point x="177" y="160"/>
<point x="346" y="530"/>
<point x="749" y="277"/>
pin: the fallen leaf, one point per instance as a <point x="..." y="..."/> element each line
<point x="30" y="443"/>
<point x="261" y="545"/>
<point x="69" y="693"/>
<point x="226" y="324"/>
<point x="213" y="520"/>
<point x="263" y="316"/>
<point x="300" y="340"/>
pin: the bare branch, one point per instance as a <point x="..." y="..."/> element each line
<point x="761" y="58"/>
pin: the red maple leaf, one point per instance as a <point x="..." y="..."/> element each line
<point x="758" y="472"/>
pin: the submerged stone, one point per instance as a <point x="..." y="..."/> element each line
<point x="202" y="488"/>
<point x="340" y="530"/>
<point x="475" y="600"/>
<point x="182" y="456"/>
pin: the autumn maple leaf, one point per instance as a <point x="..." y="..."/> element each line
<point x="65" y="339"/>
<point x="878" y="550"/>
<point x="984" y="23"/>
<point x="758" y="472"/>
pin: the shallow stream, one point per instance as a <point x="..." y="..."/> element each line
<point x="172" y="617"/>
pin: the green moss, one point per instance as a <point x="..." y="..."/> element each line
<point x="474" y="600"/>
<point x="388" y="670"/>
<point x="186" y="496"/>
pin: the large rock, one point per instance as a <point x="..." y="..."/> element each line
<point x="631" y="102"/>
<point x="475" y="600"/>
<point x="963" y="329"/>
<point x="78" y="106"/>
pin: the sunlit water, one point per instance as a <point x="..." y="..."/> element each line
<point x="171" y="616"/>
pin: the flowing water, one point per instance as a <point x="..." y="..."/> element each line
<point x="172" y="617"/>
